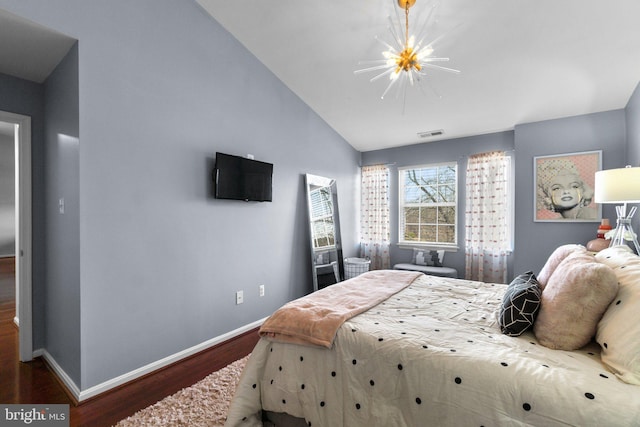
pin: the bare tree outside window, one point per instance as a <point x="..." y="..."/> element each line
<point x="428" y="204"/>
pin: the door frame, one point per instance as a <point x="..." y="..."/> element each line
<point x="23" y="230"/>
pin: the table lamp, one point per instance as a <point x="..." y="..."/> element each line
<point x="620" y="186"/>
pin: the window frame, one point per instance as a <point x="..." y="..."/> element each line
<point x="401" y="205"/>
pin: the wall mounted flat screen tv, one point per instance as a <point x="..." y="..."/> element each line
<point x="240" y="178"/>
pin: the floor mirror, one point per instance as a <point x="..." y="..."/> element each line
<point x="324" y="230"/>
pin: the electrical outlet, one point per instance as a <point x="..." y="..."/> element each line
<point x="239" y="297"/>
<point x="261" y="290"/>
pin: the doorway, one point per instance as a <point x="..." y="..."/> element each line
<point x="23" y="230"/>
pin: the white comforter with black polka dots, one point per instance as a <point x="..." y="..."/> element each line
<point x="433" y="355"/>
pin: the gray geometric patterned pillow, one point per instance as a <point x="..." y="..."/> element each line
<point x="520" y="305"/>
<point x="427" y="257"/>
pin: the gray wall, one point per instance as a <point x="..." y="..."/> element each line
<point x="7" y="195"/>
<point x="451" y="150"/>
<point x="604" y="131"/>
<point x="601" y="131"/>
<point x="162" y="87"/>
<point x="633" y="138"/>
<point x="632" y="115"/>
<point x="62" y="302"/>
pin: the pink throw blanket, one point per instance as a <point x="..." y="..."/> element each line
<point x="314" y="319"/>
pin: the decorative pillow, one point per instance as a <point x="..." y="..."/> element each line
<point x="619" y="330"/>
<point x="520" y="305"/>
<point x="556" y="258"/>
<point x="577" y="295"/>
<point x="427" y="257"/>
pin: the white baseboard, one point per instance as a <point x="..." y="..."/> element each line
<point x="62" y="375"/>
<point x="81" y="395"/>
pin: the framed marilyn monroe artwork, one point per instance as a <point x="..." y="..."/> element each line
<point x="563" y="187"/>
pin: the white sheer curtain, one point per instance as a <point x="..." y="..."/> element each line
<point x="488" y="217"/>
<point x="374" y="220"/>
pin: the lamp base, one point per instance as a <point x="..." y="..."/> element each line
<point x="624" y="231"/>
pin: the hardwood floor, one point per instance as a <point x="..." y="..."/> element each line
<point x="33" y="382"/>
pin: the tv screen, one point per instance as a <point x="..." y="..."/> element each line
<point x="239" y="178"/>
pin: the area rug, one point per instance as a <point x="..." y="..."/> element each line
<point x="203" y="404"/>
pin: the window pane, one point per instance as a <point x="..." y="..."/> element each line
<point x="411" y="233"/>
<point x="447" y="174"/>
<point x="411" y="178"/>
<point x="322" y="242"/>
<point x="429" y="204"/>
<point x="429" y="176"/>
<point x="428" y="215"/>
<point x="428" y="233"/>
<point x="429" y="194"/>
<point x="411" y="215"/>
<point x="446" y="234"/>
<point x="321" y="204"/>
<point x="323" y="232"/>
<point x="447" y="215"/>
<point x="318" y="228"/>
<point x="412" y="194"/>
<point x="447" y="193"/>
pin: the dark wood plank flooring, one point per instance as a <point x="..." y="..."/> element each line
<point x="33" y="382"/>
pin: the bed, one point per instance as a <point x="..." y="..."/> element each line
<point x="433" y="352"/>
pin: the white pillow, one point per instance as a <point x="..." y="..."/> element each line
<point x="618" y="332"/>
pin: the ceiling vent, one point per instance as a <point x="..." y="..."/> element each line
<point x="431" y="133"/>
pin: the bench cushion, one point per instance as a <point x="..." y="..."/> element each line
<point x="432" y="271"/>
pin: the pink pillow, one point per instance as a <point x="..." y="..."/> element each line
<point x="556" y="258"/>
<point x="577" y="295"/>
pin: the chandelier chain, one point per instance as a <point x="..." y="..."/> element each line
<point x="406" y="24"/>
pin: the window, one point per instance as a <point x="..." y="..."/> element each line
<point x="322" y="218"/>
<point x="428" y="204"/>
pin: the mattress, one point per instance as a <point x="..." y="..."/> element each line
<point x="433" y="354"/>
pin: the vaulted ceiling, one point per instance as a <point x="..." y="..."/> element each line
<point x="28" y="50"/>
<point x="521" y="61"/>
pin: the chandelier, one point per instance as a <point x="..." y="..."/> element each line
<point x="405" y="60"/>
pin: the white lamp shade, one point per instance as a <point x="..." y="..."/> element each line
<point x="618" y="185"/>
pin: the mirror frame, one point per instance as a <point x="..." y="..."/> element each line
<point x="320" y="181"/>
